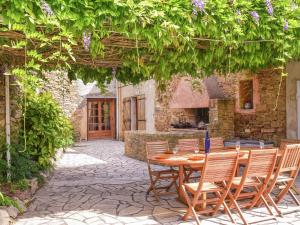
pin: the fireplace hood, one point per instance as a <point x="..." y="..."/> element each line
<point x="186" y="97"/>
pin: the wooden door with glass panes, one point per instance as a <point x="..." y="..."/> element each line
<point x="101" y="118"/>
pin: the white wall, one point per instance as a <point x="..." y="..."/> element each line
<point x="146" y="88"/>
<point x="293" y="70"/>
<point x="298" y="107"/>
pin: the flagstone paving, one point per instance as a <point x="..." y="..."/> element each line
<point x="95" y="184"/>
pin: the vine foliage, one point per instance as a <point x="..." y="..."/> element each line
<point x="151" y="38"/>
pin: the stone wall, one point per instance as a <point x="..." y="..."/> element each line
<point x="163" y="113"/>
<point x="66" y="94"/>
<point x="221" y="116"/>
<point x="135" y="141"/>
<point x="266" y="121"/>
<point x="15" y="109"/>
<point x="226" y="116"/>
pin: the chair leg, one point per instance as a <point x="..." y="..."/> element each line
<point x="188" y="201"/>
<point x="188" y="175"/>
<point x="172" y="183"/>
<point x="268" y="197"/>
<point x="294" y="197"/>
<point x="185" y="176"/>
<point x="196" y="216"/>
<point x="187" y="214"/>
<point x="240" y="212"/>
<point x="152" y="184"/>
<point x="191" y="209"/>
<point x="235" y="204"/>
<point x="283" y="192"/>
<point x="152" y="188"/>
<point x="266" y="204"/>
<point x="227" y="210"/>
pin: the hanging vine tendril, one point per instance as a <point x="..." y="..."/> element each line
<point x="137" y="46"/>
<point x="281" y="79"/>
<point x="229" y="60"/>
<point x="25" y="97"/>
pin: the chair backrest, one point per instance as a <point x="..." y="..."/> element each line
<point x="261" y="163"/>
<point x="290" y="160"/>
<point x="219" y="167"/>
<point x="284" y="142"/>
<point x="215" y="142"/>
<point x="156" y="147"/>
<point x="188" y="144"/>
<point x="289" y="163"/>
<point x="289" y="141"/>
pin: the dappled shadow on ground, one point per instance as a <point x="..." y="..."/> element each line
<point x="94" y="183"/>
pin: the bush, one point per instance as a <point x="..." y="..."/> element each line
<point x="47" y="129"/>
<point x="7" y="201"/>
<point x="21" y="185"/>
<point x="22" y="166"/>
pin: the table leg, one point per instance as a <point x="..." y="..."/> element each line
<point x="180" y="190"/>
<point x="204" y="200"/>
<point x="180" y="181"/>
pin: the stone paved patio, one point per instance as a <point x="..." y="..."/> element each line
<point x="95" y="184"/>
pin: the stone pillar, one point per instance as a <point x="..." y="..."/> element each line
<point x="221" y="118"/>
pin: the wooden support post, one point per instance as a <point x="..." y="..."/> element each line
<point x="7" y="124"/>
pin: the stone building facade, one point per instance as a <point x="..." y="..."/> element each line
<point x="71" y="95"/>
<point x="127" y="106"/>
<point x="244" y="105"/>
<point x="66" y="94"/>
<point x="267" y="120"/>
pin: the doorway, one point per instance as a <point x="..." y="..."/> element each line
<point x="101" y="118"/>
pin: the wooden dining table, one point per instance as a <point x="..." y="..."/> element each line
<point x="180" y="160"/>
<point x="194" y="160"/>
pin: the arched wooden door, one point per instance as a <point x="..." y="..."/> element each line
<point x="101" y="118"/>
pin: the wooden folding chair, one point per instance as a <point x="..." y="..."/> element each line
<point x="260" y="165"/>
<point x="153" y="148"/>
<point x="216" y="144"/>
<point x="188" y="145"/>
<point x="285" y="176"/>
<point x="216" y="178"/>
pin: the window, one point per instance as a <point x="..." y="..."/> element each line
<point x="127" y="114"/>
<point x="141" y="113"/>
<point x="246" y="94"/>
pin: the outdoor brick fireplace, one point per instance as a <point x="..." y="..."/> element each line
<point x="195" y="118"/>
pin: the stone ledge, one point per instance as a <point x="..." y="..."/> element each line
<point x="135" y="141"/>
<point x="4" y="217"/>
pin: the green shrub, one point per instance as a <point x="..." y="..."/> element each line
<point x="7" y="201"/>
<point x="47" y="128"/>
<point x="22" y="166"/>
<point x="21" y="185"/>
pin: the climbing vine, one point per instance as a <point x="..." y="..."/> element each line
<point x="152" y="38"/>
